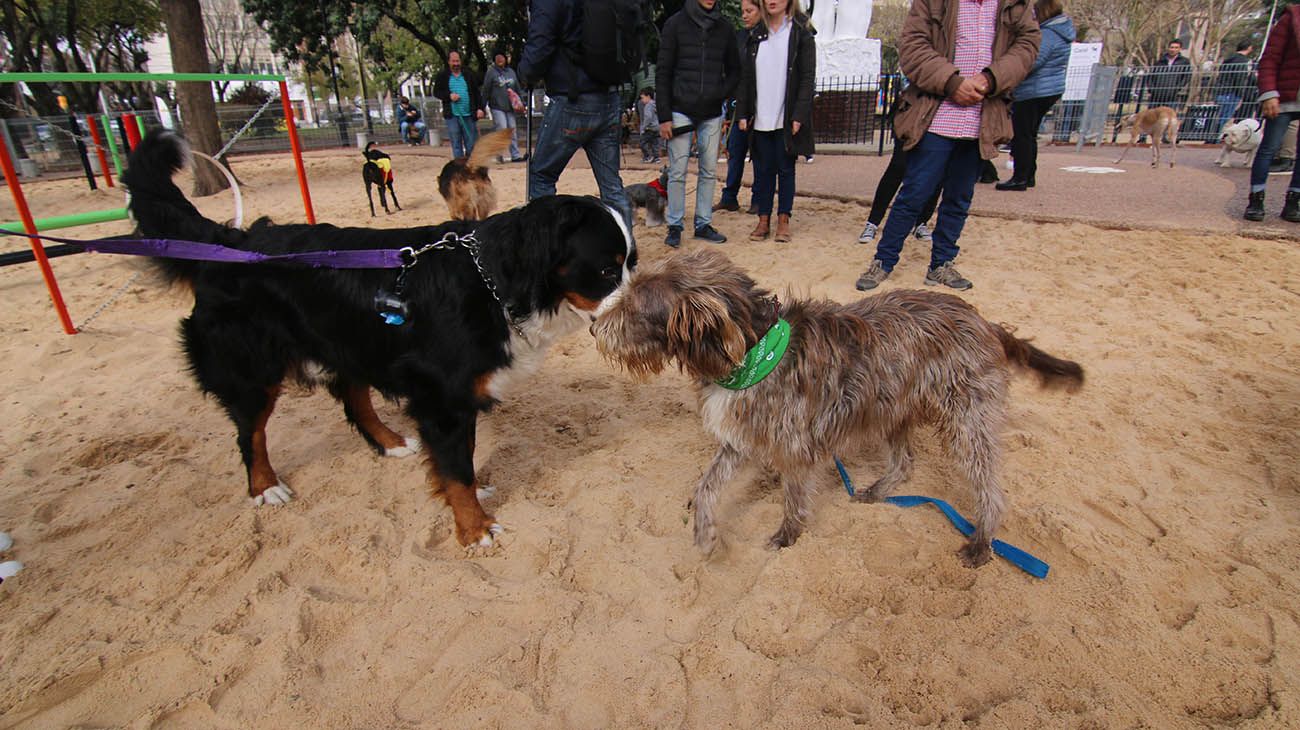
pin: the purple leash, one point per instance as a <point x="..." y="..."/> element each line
<point x="197" y="251"/>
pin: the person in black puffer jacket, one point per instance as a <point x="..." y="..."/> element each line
<point x="699" y="67"/>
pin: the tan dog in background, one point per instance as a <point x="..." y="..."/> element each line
<point x="464" y="182"/>
<point x="871" y="371"/>
<point x="1155" y="121"/>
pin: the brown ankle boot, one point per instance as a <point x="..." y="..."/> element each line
<point x="762" y="229"/>
<point x="782" y="228"/>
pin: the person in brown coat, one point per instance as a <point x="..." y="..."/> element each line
<point x="963" y="58"/>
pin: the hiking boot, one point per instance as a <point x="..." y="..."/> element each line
<point x="674" y="237"/>
<point x="947" y="275"/>
<point x="1255" y="207"/>
<point x="761" y="230"/>
<point x="730" y="205"/>
<point x="922" y="233"/>
<point x="868" y="233"/>
<point x="1291" y="211"/>
<point x="782" y="228"/>
<point x="710" y="234"/>
<point x="872" y="277"/>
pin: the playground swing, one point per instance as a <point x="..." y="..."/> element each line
<point x="132" y="127"/>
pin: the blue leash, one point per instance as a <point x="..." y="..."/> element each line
<point x="1010" y="553"/>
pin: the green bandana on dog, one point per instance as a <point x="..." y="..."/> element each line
<point x="761" y="359"/>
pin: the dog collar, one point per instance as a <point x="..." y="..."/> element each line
<point x="761" y="359"/>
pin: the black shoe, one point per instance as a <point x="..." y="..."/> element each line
<point x="674" y="237"/>
<point x="752" y="209"/>
<point x="730" y="205"/>
<point x="1280" y="165"/>
<point x="1255" y="207"/>
<point x="1013" y="184"/>
<point x="1291" y="211"/>
<point x="710" y="234"/>
<point x="1031" y="181"/>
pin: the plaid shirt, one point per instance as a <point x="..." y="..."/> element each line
<point x="977" y="21"/>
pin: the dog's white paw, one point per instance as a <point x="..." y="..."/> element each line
<point x="9" y="569"/>
<point x="485" y="492"/>
<point x="412" y="446"/>
<point x="277" y="495"/>
<point x="488" y="539"/>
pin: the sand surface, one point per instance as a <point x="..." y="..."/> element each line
<point x="1165" y="495"/>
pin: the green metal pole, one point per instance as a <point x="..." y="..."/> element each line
<point x="139" y="122"/>
<point x="68" y="221"/>
<point x="112" y="145"/>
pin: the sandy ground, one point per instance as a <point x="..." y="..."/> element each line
<point x="1164" y="495"/>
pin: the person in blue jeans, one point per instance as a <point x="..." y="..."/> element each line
<point x="699" y="67"/>
<point x="1279" y="105"/>
<point x="408" y="117"/>
<point x="582" y="114"/>
<point x="462" y="104"/>
<point x="737" y="138"/>
<point x="1232" y="82"/>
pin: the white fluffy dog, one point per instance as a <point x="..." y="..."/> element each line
<point x="1243" y="137"/>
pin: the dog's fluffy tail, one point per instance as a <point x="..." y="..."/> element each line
<point x="1053" y="372"/>
<point x="161" y="210"/>
<point x="488" y="148"/>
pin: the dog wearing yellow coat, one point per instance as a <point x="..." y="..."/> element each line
<point x="378" y="171"/>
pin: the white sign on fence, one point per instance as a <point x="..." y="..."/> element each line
<point x="1078" y="71"/>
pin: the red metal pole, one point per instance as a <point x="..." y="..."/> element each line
<point x="297" y="151"/>
<point x="132" y="130"/>
<point x="29" y="225"/>
<point x="99" y="150"/>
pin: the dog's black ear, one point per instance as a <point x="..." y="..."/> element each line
<point x="703" y="337"/>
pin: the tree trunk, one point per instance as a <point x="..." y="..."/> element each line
<point x="190" y="55"/>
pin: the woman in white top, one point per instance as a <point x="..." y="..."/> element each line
<point x="775" y="104"/>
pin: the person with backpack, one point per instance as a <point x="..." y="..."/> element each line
<point x="699" y="67"/>
<point x="583" y="50"/>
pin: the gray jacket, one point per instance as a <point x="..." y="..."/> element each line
<point x="495" y="84"/>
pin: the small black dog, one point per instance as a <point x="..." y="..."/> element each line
<point x="378" y="170"/>
<point x="650" y="196"/>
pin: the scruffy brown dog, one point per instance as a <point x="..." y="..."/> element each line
<point x="872" y="370"/>
<point x="464" y="181"/>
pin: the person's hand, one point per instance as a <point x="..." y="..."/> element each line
<point x="454" y="96"/>
<point x="794" y="128"/>
<point x="744" y="125"/>
<point x="1270" y="108"/>
<point x="968" y="94"/>
<point x="666" y="130"/>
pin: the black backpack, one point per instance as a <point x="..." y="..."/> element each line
<point x="614" y="39"/>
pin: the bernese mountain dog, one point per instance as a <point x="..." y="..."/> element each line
<point x="447" y="336"/>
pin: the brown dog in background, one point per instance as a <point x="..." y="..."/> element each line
<point x="464" y="182"/>
<point x="873" y="370"/>
<point x="1155" y="121"/>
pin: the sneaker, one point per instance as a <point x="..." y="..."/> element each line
<point x="1255" y="207"/>
<point x="646" y="160"/>
<point x="947" y="275"/>
<point x="868" y="233"/>
<point x="922" y="233"/>
<point x="674" y="237"/>
<point x="872" y="277"/>
<point x="808" y="159"/>
<point x="1281" y="165"/>
<point x="710" y="234"/>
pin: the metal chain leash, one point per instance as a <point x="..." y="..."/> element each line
<point x="470" y="243"/>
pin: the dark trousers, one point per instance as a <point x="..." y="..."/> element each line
<point x="1026" y="117"/>
<point x="935" y="161"/>
<point x="737" y="148"/>
<point x="773" y="168"/>
<point x="888" y="186"/>
<point x="650" y="143"/>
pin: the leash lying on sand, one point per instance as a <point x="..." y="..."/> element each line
<point x="1010" y="553"/>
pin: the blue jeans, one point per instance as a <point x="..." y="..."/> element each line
<point x="1274" y="131"/>
<point x="737" y="148"/>
<point x="707" y="132"/>
<point x="934" y="161"/>
<point x="419" y="127"/>
<point x="772" y="165"/>
<point x="1228" y="104"/>
<point x="463" y="133"/>
<point x="591" y="122"/>
<point x="507" y="120"/>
